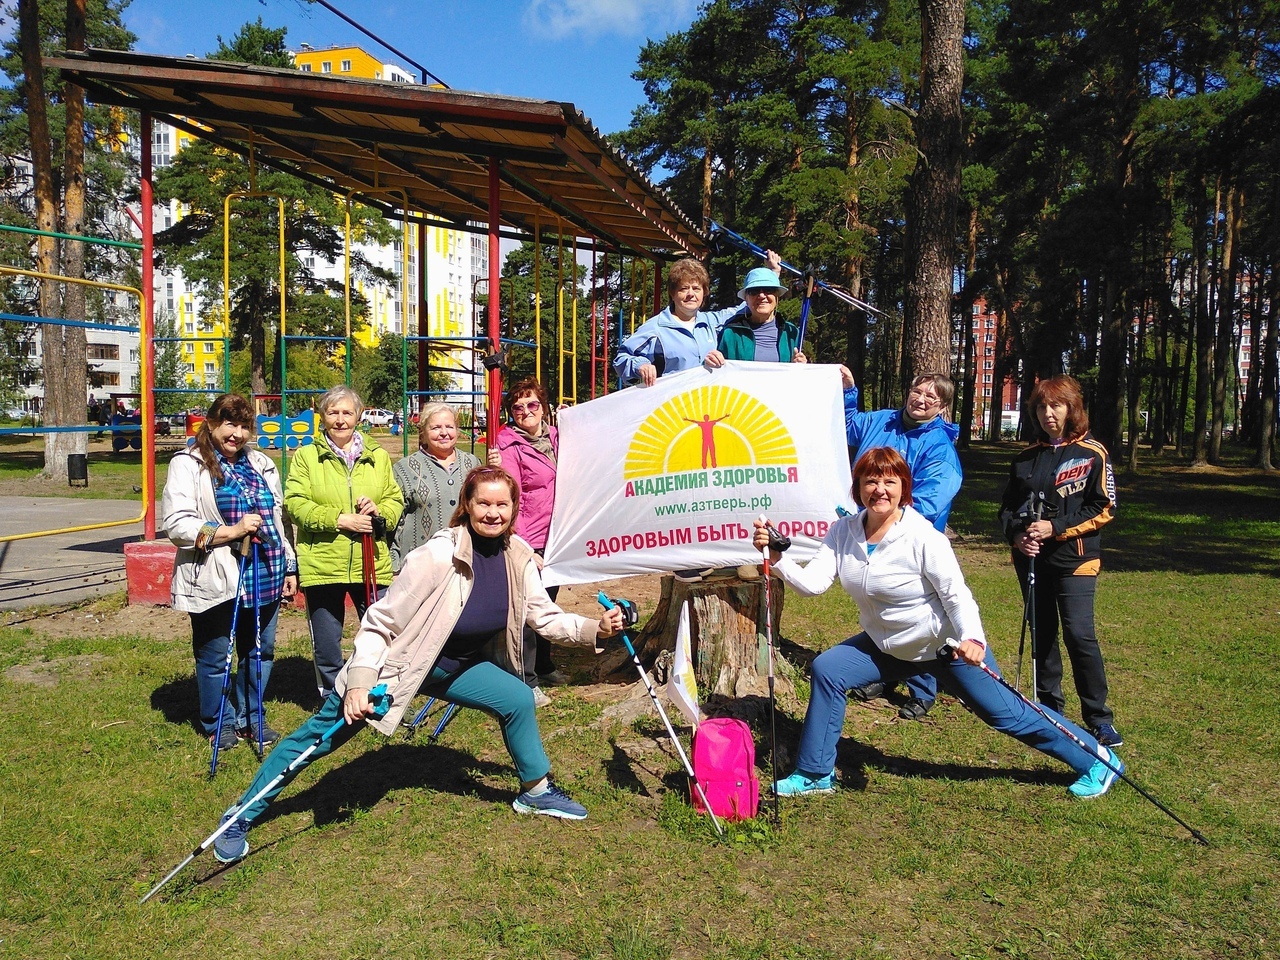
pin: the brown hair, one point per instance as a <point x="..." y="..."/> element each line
<point x="882" y="462"/>
<point x="230" y="407"/>
<point x="1060" y="389"/>
<point x="942" y="386"/>
<point x="461" y="518"/>
<point x="525" y="386"/>
<point x="685" y="270"/>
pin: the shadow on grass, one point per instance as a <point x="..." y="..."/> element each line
<point x="853" y="758"/>
<point x="363" y="781"/>
<point x="1168" y="517"/>
<point x="293" y="680"/>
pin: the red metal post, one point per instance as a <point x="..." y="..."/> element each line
<point x="495" y="302"/>
<point x="146" y="345"/>
<point x="424" y="320"/>
<point x="657" y="287"/>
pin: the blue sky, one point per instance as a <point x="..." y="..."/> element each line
<point x="582" y="51"/>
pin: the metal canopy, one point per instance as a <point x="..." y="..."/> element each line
<point x="379" y="138"/>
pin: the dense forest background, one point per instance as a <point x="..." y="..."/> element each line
<point x="1118" y="209"/>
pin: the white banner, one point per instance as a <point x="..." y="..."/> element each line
<point x="670" y="477"/>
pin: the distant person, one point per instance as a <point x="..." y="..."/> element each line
<point x="219" y="490"/>
<point x="1069" y="471"/>
<point x="912" y="602"/>
<point x="528" y="448"/>
<point x="452" y="625"/>
<point x="926" y="441"/>
<point x="430" y="479"/>
<point x="683" y="335"/>
<point x="340" y="490"/>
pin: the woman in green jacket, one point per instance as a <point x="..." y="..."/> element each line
<point x="340" y="490"/>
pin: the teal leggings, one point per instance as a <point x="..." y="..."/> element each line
<point x="484" y="686"/>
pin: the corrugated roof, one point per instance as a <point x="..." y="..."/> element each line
<point x="379" y="137"/>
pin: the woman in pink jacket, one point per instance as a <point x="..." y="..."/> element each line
<point x="527" y="449"/>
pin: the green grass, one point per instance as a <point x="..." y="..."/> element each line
<point x="947" y="840"/>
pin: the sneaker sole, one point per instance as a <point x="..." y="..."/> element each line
<point x="519" y="807"/>
<point x="806" y="793"/>
<point x="236" y="859"/>
<point x="1112" y="776"/>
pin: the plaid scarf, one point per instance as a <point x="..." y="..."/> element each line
<point x="243" y="490"/>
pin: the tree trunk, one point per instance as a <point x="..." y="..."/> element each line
<point x="67" y="364"/>
<point x="1226" y="320"/>
<point x="53" y="339"/>
<point x="730" y="653"/>
<point x="1204" y="342"/>
<point x="935" y="190"/>
<point x="1267" y="392"/>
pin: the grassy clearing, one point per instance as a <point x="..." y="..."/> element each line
<point x="946" y="841"/>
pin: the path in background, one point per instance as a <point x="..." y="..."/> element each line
<point x="69" y="567"/>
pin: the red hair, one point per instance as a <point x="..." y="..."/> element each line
<point x="882" y="462"/>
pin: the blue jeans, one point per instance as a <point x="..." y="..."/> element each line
<point x="210" y="637"/>
<point x="484" y="686"/>
<point x="326" y="612"/>
<point x="858" y="661"/>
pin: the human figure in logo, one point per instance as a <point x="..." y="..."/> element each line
<point x="708" y="428"/>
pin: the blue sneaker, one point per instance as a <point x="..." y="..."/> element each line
<point x="554" y="803"/>
<point x="231" y="845"/>
<point x="800" y="782"/>
<point x="1099" y="778"/>
<point x="1107" y="735"/>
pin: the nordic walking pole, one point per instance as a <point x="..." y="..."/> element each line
<point x="1035" y="509"/>
<point x="381" y="701"/>
<point x="810" y="280"/>
<point x="231" y="652"/>
<point x="947" y="652"/>
<point x="768" y="636"/>
<point x="629" y="618"/>
<point x="719" y="231"/>
<point x="257" y="649"/>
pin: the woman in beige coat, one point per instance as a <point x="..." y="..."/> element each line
<point x="452" y="623"/>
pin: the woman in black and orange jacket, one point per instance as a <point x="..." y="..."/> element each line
<point x="1069" y="474"/>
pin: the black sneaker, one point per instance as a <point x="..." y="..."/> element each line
<point x="226" y="742"/>
<point x="250" y="733"/>
<point x="915" y="709"/>
<point x="869" y="691"/>
<point x="1107" y="735"/>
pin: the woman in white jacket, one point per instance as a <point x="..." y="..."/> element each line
<point x="218" y="492"/>
<point x="912" y="601"/>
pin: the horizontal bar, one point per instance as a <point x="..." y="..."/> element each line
<point x="127" y="244"/>
<point x="23" y="318"/>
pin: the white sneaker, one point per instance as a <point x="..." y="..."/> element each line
<point x="540" y="699"/>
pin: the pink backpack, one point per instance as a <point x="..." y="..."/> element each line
<point x="724" y="761"/>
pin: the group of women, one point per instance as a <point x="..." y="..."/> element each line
<point x="468" y="619"/>
<point x="358" y="519"/>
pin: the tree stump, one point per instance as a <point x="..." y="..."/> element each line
<point x="729" y="648"/>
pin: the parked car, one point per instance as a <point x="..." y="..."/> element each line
<point x="377" y="417"/>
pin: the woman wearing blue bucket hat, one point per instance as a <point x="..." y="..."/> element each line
<point x="760" y="334"/>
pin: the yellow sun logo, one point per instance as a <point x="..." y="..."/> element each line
<point x="709" y="427"/>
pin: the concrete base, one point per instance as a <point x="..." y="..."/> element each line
<point x="148" y="568"/>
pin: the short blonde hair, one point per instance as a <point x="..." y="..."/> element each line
<point x="334" y="394"/>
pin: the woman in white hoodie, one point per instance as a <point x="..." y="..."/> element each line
<point x="912" y="601"/>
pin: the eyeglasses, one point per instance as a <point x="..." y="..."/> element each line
<point x="533" y="406"/>
<point x="922" y="395"/>
<point x="762" y="292"/>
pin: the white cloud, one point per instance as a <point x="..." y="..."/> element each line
<point x="559" y="19"/>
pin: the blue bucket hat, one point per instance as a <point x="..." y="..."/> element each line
<point x="761" y="278"/>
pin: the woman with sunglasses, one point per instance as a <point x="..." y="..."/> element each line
<point x="527" y="449"/>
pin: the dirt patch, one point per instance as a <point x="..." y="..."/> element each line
<point x="47" y="673"/>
